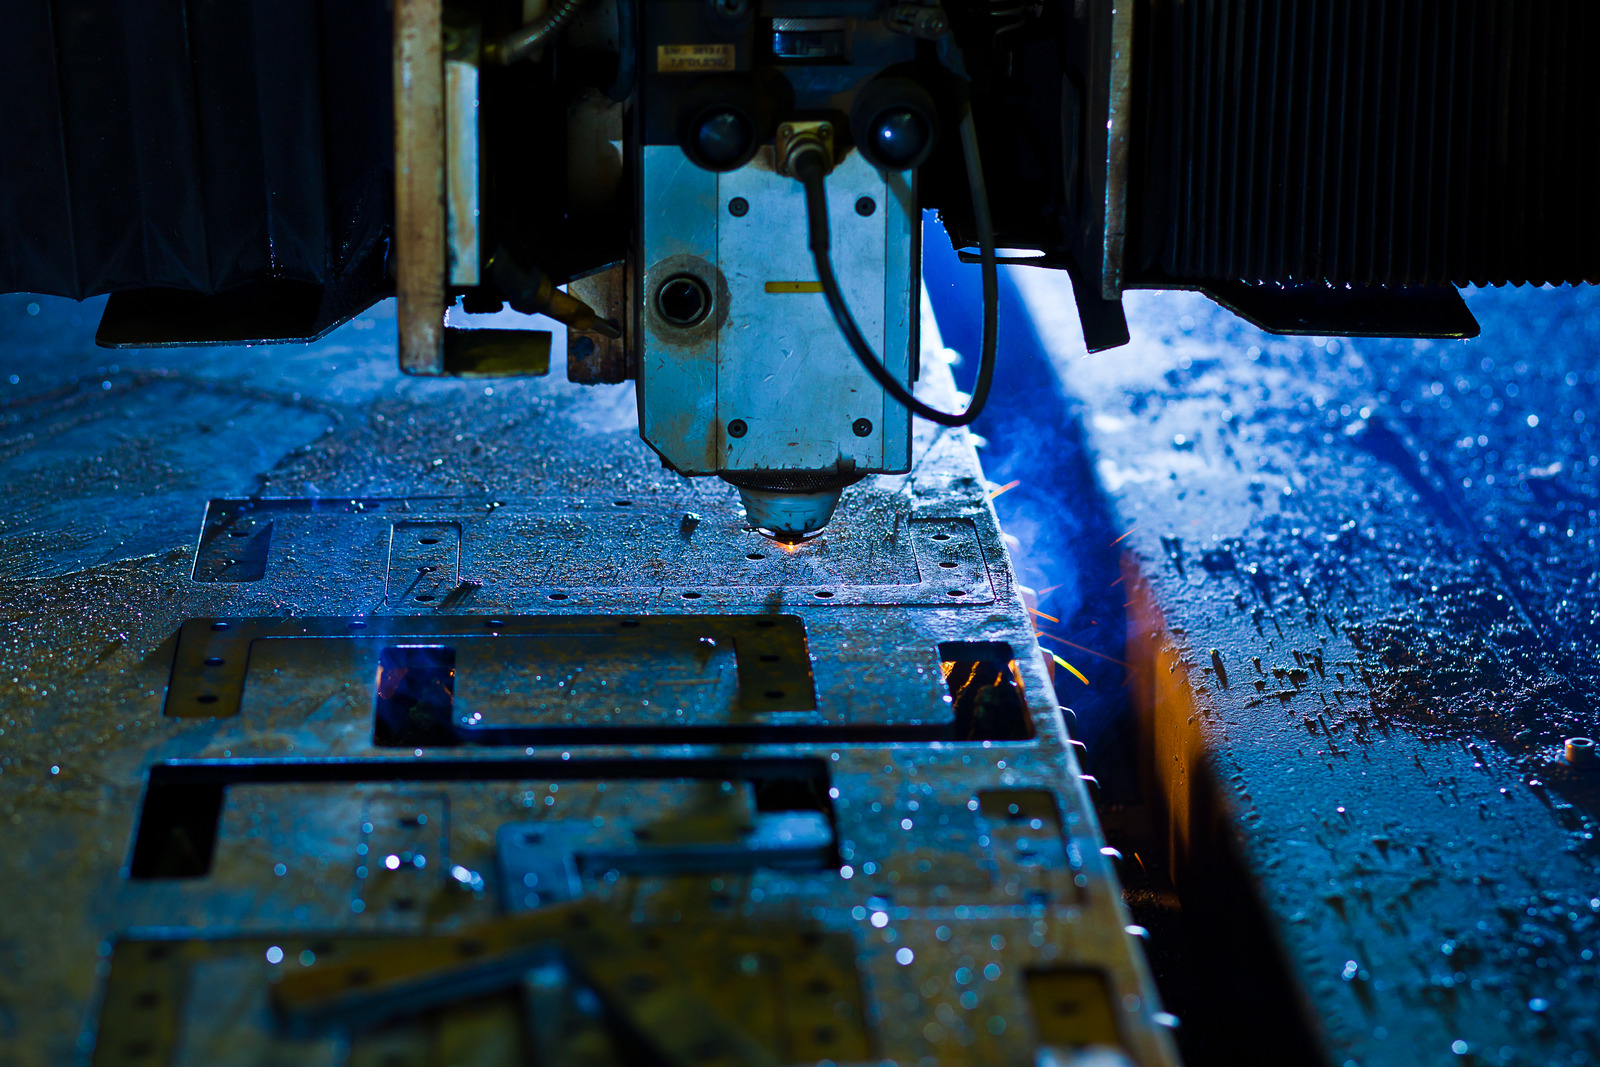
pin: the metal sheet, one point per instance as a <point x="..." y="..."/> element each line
<point x="250" y="827"/>
<point x="877" y="555"/>
<point x="1363" y="596"/>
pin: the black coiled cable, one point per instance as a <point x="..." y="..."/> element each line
<point x="810" y="168"/>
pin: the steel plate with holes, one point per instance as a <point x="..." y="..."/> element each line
<point x="323" y="784"/>
<point x="884" y="556"/>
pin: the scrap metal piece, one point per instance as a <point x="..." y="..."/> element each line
<point x="541" y="863"/>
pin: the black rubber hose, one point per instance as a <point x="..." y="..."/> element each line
<point x="519" y="44"/>
<point x="809" y="168"/>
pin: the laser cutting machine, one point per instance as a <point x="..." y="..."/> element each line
<point x="551" y="753"/>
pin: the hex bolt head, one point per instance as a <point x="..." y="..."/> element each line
<point x="737" y="428"/>
<point x="738" y="207"/>
<point x="1579" y="752"/>
<point x="862" y="427"/>
<point x="866" y="206"/>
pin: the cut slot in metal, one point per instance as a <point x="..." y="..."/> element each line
<point x="182" y="806"/>
<point x="986" y="691"/>
<point x="772" y="659"/>
<point x="234" y="544"/>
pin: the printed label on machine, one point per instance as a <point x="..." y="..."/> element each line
<point x="693" y="58"/>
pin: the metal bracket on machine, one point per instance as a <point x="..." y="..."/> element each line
<point x="436" y="202"/>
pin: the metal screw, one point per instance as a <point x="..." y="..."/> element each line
<point x="862" y="427"/>
<point x="785" y="130"/>
<point x="1580" y="752"/>
<point x="737" y="428"/>
<point x="738" y="207"/>
<point x="866" y="206"/>
<point x="582" y="347"/>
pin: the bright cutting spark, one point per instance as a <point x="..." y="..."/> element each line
<point x="1132" y="528"/>
<point x="1012" y="484"/>
<point x="1042" y="615"/>
<point x="1080" y="648"/>
<point x="1076" y="673"/>
<point x="1041" y="594"/>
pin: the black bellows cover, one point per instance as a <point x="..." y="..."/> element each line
<point x="190" y="144"/>
<point x="1398" y="142"/>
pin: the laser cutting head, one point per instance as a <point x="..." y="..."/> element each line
<point x="742" y="370"/>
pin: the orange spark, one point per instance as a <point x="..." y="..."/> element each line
<point x="1012" y="484"/>
<point x="1080" y="648"/>
<point x="1132" y="528"/>
<point x="1042" y="615"/>
<point x="1076" y="673"/>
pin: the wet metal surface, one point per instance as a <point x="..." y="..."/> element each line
<point x="1365" y="607"/>
<point x="965" y="871"/>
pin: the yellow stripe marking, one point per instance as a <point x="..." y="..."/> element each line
<point x="794" y="287"/>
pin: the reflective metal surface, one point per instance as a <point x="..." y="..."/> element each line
<point x="921" y="816"/>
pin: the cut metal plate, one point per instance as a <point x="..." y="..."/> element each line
<point x="283" y="826"/>
<point x="609" y="553"/>
<point x="213" y="657"/>
<point x="764" y="994"/>
<point x="234" y="547"/>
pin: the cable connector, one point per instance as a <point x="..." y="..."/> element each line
<point x="801" y="138"/>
